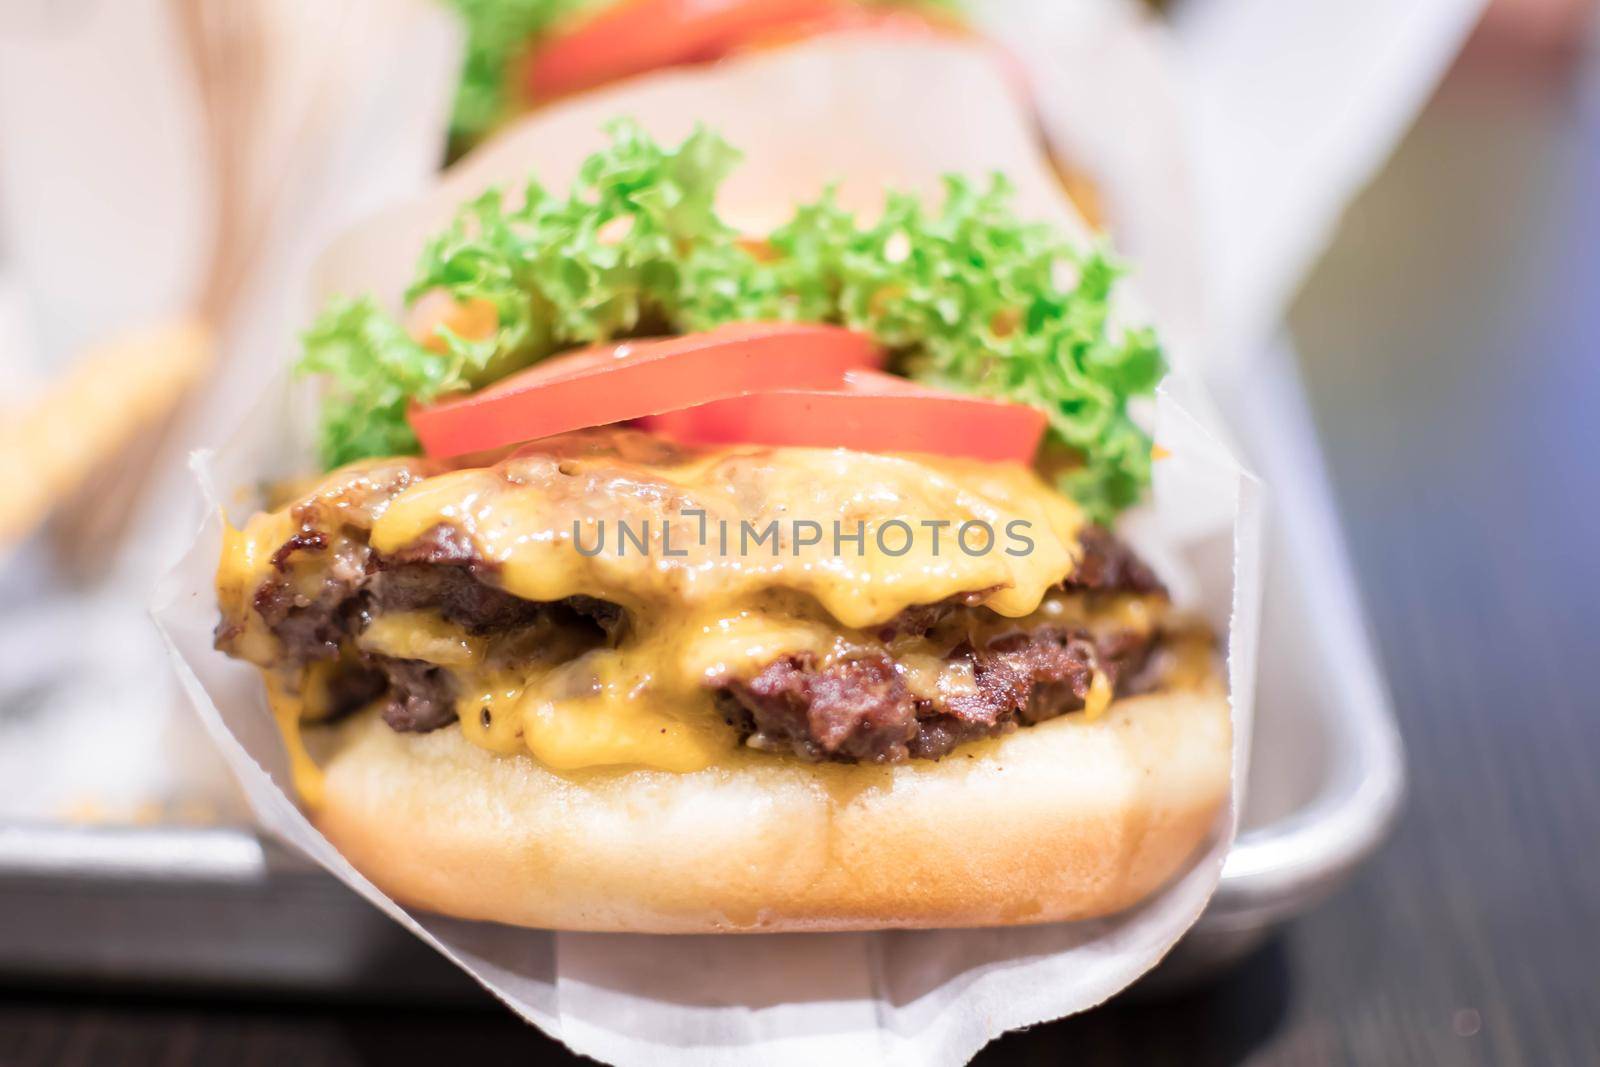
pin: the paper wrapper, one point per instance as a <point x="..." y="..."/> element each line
<point x="1290" y="109"/>
<point x="870" y="115"/>
<point x="107" y="224"/>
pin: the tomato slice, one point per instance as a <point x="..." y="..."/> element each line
<point x="869" y="412"/>
<point x="628" y="380"/>
<point x="643" y="35"/>
<point x="894" y="22"/>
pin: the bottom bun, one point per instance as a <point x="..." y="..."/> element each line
<point x="1069" y="819"/>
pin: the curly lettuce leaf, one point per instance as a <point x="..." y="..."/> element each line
<point x="967" y="296"/>
<point x="974" y="300"/>
<point x="375" y="370"/>
<point x="637" y="240"/>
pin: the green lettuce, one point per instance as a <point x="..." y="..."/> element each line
<point x="967" y="296"/>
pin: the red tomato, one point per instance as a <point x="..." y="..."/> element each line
<point x="894" y="22"/>
<point x="643" y="35"/>
<point x="869" y="412"/>
<point x="621" y="381"/>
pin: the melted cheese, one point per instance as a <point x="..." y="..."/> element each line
<point x="643" y="703"/>
<point x="1099" y="696"/>
<point x="538" y="516"/>
<point x="699" y="609"/>
<point x="419" y="635"/>
<point x="288" y="711"/>
<point x="245" y="560"/>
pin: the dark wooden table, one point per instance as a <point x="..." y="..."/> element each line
<point x="1452" y="343"/>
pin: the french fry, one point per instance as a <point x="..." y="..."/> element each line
<point x="83" y="422"/>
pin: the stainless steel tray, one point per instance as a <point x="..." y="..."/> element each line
<point x="221" y="907"/>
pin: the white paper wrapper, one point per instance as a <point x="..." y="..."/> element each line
<point x="1290" y="109"/>
<point x="105" y="223"/>
<point x="871" y="114"/>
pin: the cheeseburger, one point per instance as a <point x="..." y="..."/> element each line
<point x="667" y="578"/>
<point x="523" y="54"/>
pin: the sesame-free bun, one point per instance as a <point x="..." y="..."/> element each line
<point x="1068" y="819"/>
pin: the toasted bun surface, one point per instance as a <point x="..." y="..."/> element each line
<point x="1068" y="819"/>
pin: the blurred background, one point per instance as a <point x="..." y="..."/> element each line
<point x="1449" y="343"/>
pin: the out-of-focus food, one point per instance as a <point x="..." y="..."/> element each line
<point x="526" y="53"/>
<point x="53" y="444"/>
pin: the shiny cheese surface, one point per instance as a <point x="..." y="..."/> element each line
<point x="533" y="513"/>
<point x="700" y="604"/>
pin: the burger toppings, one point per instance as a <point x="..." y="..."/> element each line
<point x="867" y="411"/>
<point x="618" y="381"/>
<point x="636" y="36"/>
<point x="964" y="297"/>
<point x="537" y="49"/>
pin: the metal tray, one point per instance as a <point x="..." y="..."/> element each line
<point x="222" y="907"/>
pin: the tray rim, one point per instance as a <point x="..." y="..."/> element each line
<point x="1282" y="867"/>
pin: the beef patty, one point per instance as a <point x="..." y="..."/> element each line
<point x="860" y="709"/>
<point x="855" y="708"/>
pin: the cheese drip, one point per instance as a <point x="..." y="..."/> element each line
<point x="700" y="607"/>
<point x="541" y="515"/>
